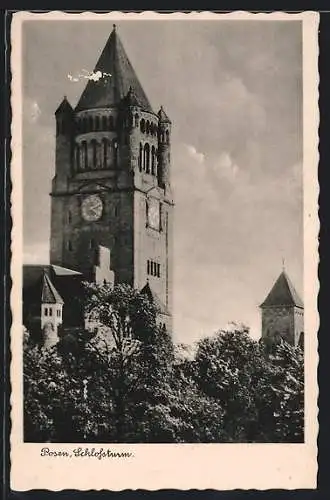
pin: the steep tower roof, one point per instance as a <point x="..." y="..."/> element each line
<point x="154" y="299"/>
<point x="117" y="77"/>
<point x="49" y="294"/>
<point x="283" y="293"/>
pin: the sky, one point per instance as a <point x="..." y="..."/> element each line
<point x="233" y="91"/>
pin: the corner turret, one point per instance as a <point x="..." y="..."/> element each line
<point x="64" y="116"/>
<point x="164" y="148"/>
<point x="51" y="311"/>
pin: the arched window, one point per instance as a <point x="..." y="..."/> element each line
<point x="105" y="152"/>
<point x="167" y="137"/>
<point x="104" y="123"/>
<point x="94" y="153"/>
<point x="97" y="123"/>
<point x="147" y="127"/>
<point x="142" y="126"/>
<point x="140" y="157"/>
<point x="136" y="120"/>
<point x="153" y="161"/>
<point x="130" y="120"/>
<point x="84" y="163"/>
<point x="146" y="158"/>
<point x="77" y="156"/>
<point x="156" y="162"/>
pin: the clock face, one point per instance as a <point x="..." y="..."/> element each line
<point x="153" y="214"/>
<point x="91" y="208"/>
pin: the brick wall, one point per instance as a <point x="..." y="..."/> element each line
<point x="278" y="320"/>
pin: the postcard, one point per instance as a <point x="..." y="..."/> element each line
<point x="164" y="250"/>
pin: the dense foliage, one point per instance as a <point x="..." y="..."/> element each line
<point x="127" y="382"/>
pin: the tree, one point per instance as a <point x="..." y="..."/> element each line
<point x="287" y="389"/>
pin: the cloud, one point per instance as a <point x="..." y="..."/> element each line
<point x="223" y="167"/>
<point x="194" y="154"/>
<point x="236" y="144"/>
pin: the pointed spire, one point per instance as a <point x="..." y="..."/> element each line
<point x="154" y="299"/>
<point x="130" y="98"/>
<point x="49" y="294"/>
<point x="283" y="293"/>
<point x="163" y="116"/>
<point x="117" y="77"/>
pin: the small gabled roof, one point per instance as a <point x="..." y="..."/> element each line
<point x="49" y="294"/>
<point x="117" y="77"/>
<point x="163" y="116"/>
<point x="64" y="271"/>
<point x="283" y="293"/>
<point x="33" y="272"/>
<point x="129" y="99"/>
<point x="154" y="299"/>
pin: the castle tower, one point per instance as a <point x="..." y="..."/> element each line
<point x="51" y="311"/>
<point x="283" y="313"/>
<point x="112" y="181"/>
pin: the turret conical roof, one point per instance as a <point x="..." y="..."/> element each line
<point x="154" y="299"/>
<point x="116" y="77"/>
<point x="64" y="107"/>
<point x="283" y="293"/>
